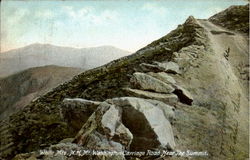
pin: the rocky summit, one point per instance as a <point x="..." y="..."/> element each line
<point x="186" y="92"/>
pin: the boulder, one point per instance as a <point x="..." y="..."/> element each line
<point x="147" y="82"/>
<point x="147" y="122"/>
<point x="169" y="67"/>
<point x="168" y="110"/>
<point x="166" y="98"/>
<point x="67" y="140"/>
<point x="151" y="68"/>
<point x="79" y="102"/>
<point x="77" y="111"/>
<point x="163" y="77"/>
<point x="104" y="130"/>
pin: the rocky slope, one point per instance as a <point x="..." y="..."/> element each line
<point x="20" y="89"/>
<point x="186" y="91"/>
<point x="36" y="55"/>
<point x="235" y="18"/>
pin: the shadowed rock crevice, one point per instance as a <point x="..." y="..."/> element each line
<point x="221" y="32"/>
<point x="182" y="97"/>
<point x="76" y="112"/>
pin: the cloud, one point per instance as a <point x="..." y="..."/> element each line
<point x="154" y="8"/>
<point x="11" y="19"/>
<point x="45" y="14"/>
<point x="77" y="14"/>
<point x="90" y="15"/>
<point x="15" y="17"/>
<point x="105" y="17"/>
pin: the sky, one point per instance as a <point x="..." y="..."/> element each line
<point x="129" y="25"/>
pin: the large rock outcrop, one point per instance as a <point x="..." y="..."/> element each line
<point x="128" y="123"/>
<point x="167" y="98"/>
<point x="150" y="127"/>
<point x="147" y="82"/>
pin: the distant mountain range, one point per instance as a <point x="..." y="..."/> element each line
<point x="37" y="54"/>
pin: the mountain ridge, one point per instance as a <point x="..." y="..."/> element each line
<point x="48" y="44"/>
<point x="36" y="55"/>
